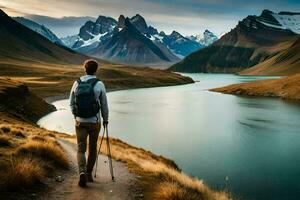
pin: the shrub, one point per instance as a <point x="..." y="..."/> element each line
<point x="48" y="150"/>
<point x="18" y="133"/>
<point x="51" y="135"/>
<point x="5" y="129"/>
<point x="5" y="141"/>
<point x="24" y="173"/>
<point x="39" y="138"/>
<point x="171" y="190"/>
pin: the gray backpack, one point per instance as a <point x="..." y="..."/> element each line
<point x="86" y="105"/>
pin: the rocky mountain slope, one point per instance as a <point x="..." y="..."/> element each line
<point x="252" y="41"/>
<point x="91" y="41"/>
<point x="19" y="42"/>
<point x="41" y="29"/>
<point x="128" y="45"/>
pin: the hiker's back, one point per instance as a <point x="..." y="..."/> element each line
<point x="86" y="102"/>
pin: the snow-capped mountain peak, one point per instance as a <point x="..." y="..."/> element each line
<point x="106" y="36"/>
<point x="205" y="39"/>
<point x="91" y="33"/>
<point x="282" y="20"/>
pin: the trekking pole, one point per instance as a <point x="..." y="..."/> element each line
<point x="109" y="155"/>
<point x="99" y="152"/>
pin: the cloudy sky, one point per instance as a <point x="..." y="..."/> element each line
<point x="186" y="16"/>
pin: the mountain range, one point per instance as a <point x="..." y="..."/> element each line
<point x="131" y="40"/>
<point x="138" y="44"/>
<point x="254" y="40"/>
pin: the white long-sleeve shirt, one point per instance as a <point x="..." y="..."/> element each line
<point x="100" y="96"/>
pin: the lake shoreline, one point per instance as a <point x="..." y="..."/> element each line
<point x="52" y="99"/>
<point x="156" y="173"/>
<point x="285" y="88"/>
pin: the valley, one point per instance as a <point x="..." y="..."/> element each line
<point x="190" y="107"/>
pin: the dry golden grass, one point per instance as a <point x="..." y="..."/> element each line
<point x="45" y="150"/>
<point x="23" y="173"/>
<point x="27" y="154"/>
<point x="179" y="185"/>
<point x="4" y="128"/>
<point x="172" y="190"/>
<point x="5" y="141"/>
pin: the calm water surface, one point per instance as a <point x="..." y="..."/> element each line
<point x="249" y="146"/>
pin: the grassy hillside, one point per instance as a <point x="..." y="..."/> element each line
<point x="47" y="79"/>
<point x="286" y="62"/>
<point x="18" y="41"/>
<point x="286" y="88"/>
<point x="17" y="100"/>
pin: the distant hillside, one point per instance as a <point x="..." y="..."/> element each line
<point x="17" y="99"/>
<point x="253" y="40"/>
<point x="62" y="27"/>
<point x="19" y="42"/>
<point x="286" y="62"/>
<point x="41" y="29"/>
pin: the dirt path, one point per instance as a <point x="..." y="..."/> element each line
<point x="102" y="188"/>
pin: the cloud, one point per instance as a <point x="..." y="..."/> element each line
<point x="189" y="16"/>
<point x="11" y="11"/>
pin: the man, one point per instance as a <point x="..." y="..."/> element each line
<point x="87" y="99"/>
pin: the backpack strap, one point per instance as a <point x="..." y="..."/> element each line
<point x="94" y="81"/>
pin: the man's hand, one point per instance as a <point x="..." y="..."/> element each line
<point x="105" y="123"/>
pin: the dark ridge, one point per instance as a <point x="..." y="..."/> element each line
<point x="288" y="13"/>
<point x="19" y="41"/>
<point x="145" y="40"/>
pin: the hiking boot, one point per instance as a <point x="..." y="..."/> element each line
<point x="82" y="180"/>
<point x="90" y="177"/>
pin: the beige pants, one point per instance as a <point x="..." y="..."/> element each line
<point x="84" y="130"/>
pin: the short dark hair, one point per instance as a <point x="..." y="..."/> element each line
<point x="90" y="66"/>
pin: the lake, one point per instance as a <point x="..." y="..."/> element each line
<point x="249" y="146"/>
